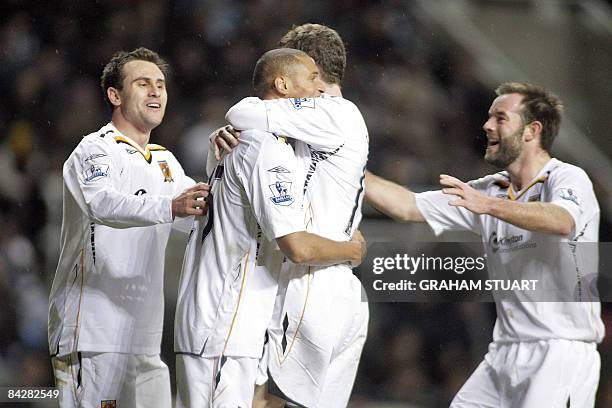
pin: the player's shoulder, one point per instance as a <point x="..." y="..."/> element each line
<point x="497" y="182"/>
<point x="105" y="135"/>
<point x="559" y="169"/>
<point x="101" y="142"/>
<point x="260" y="146"/>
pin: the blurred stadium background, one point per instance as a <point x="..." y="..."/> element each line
<point x="423" y="74"/>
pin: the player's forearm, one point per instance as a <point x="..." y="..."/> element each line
<point x="310" y="249"/>
<point x="540" y="217"/>
<point x="392" y="199"/>
<point x="117" y="210"/>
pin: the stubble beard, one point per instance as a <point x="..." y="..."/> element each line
<point x="508" y="150"/>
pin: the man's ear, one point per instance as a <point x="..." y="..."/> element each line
<point x="113" y="96"/>
<point x="280" y="85"/>
<point x="534" y="130"/>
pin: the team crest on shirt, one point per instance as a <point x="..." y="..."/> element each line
<point x="95" y="172"/>
<point x="108" y="404"/>
<point x="570" y="194"/>
<point x="281" y="193"/>
<point x="163" y="165"/>
<point x="299" y="103"/>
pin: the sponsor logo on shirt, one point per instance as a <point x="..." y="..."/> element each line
<point x="510" y="243"/>
<point x="163" y="165"/>
<point x="281" y="193"/>
<point x="570" y="194"/>
<point x="129" y="150"/>
<point x="108" y="404"/>
<point x="278" y="169"/>
<point x="95" y="172"/>
<point x="299" y="103"/>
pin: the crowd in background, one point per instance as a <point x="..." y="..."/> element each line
<point x="418" y="92"/>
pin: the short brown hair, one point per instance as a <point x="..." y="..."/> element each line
<point x="272" y="64"/>
<point x="538" y="104"/>
<point x="112" y="75"/>
<point x="323" y="44"/>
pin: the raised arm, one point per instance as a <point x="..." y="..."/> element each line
<point x="547" y="218"/>
<point x="392" y="199"/>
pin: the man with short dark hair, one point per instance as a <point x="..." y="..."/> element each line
<point x="121" y="196"/>
<point x="536" y="218"/>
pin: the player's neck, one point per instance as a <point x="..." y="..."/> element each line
<point x="127" y="128"/>
<point x="524" y="169"/>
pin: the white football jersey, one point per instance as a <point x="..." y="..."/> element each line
<point x="332" y="145"/>
<point x="229" y="279"/>
<point x="107" y="295"/>
<point x="563" y="266"/>
<point x="319" y="312"/>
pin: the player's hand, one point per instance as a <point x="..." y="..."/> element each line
<point x="468" y="197"/>
<point x="191" y="201"/>
<point x="363" y="246"/>
<point x="225" y="138"/>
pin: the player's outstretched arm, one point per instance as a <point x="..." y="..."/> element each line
<point x="191" y="201"/>
<point x="392" y="199"/>
<point x="547" y="218"/>
<point x="310" y="249"/>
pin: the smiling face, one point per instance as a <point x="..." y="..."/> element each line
<point x="504" y="130"/>
<point x="142" y="100"/>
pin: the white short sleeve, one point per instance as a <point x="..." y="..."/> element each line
<point x="570" y="187"/>
<point x="441" y="216"/>
<point x="274" y="190"/>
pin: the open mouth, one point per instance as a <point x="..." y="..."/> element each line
<point x="492" y="143"/>
<point x="154" y="105"/>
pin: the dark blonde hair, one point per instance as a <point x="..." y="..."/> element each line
<point x="323" y="44"/>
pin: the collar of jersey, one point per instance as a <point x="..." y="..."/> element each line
<point x="540" y="179"/>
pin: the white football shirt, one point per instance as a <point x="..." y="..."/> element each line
<point x="229" y="278"/>
<point x="107" y="294"/>
<point x="332" y="146"/>
<point x="564" y="266"/>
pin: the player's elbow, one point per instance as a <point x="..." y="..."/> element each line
<point x="233" y="118"/>
<point x="240" y="118"/>
<point x="565" y="228"/>
<point x="565" y="224"/>
<point x="298" y="255"/>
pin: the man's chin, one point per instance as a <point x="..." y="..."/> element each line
<point x="495" y="161"/>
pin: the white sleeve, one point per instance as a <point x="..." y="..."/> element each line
<point x="441" y="216"/>
<point x="92" y="173"/>
<point x="312" y="120"/>
<point x="570" y="188"/>
<point x="275" y="192"/>
<point x="249" y="113"/>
